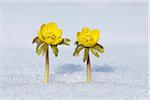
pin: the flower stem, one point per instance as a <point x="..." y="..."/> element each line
<point x="88" y="69"/>
<point x="46" y="75"/>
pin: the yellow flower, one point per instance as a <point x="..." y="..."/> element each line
<point x="88" y="37"/>
<point x="50" y="34"/>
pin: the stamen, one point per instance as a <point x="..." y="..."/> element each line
<point x="53" y="37"/>
<point x="87" y="40"/>
<point x="91" y="39"/>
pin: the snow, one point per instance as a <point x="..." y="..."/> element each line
<point x="119" y="74"/>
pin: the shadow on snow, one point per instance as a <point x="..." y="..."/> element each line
<point x="72" y="68"/>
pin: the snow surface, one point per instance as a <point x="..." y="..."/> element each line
<point x="119" y="74"/>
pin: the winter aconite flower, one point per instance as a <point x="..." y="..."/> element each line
<point x="88" y="37"/>
<point x="49" y="35"/>
<point x="88" y="40"/>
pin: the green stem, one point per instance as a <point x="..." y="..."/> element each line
<point x="88" y="69"/>
<point x="46" y="74"/>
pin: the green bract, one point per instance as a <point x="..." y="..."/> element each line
<point x="42" y="46"/>
<point x="96" y="50"/>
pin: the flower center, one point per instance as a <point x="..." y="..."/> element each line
<point x="53" y="36"/>
<point x="50" y="35"/>
<point x="88" y="38"/>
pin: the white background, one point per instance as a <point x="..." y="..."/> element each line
<point x="119" y="73"/>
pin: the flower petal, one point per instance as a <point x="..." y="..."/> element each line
<point x="85" y="30"/>
<point x="78" y="36"/>
<point x="59" y="33"/>
<point x="95" y="35"/>
<point x="44" y="30"/>
<point x="40" y="36"/>
<point x="48" y="41"/>
<point x="57" y="41"/>
<point x="52" y="26"/>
